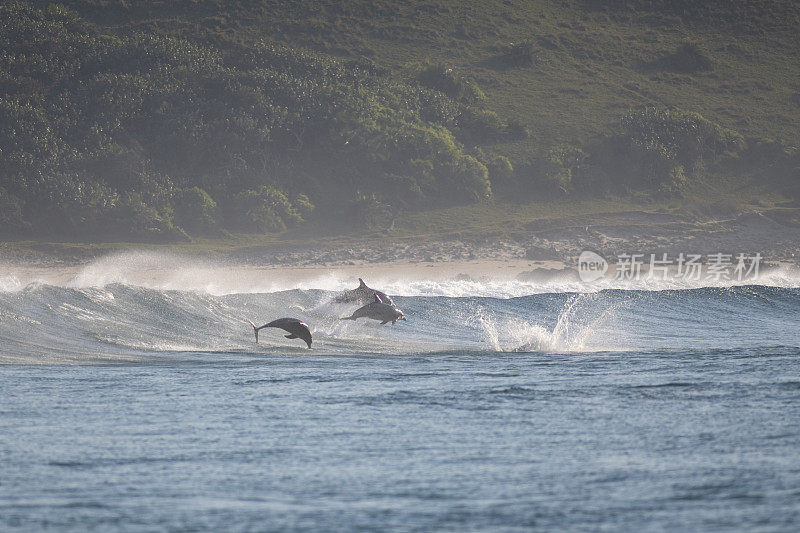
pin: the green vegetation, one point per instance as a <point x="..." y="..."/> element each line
<point x="150" y="136"/>
<point x="185" y="119"/>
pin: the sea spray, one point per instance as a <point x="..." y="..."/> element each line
<point x="171" y="271"/>
<point x="9" y="283"/>
<point x="576" y="328"/>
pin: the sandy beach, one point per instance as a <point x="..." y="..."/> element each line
<point x="549" y="248"/>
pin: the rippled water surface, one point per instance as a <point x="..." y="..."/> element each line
<point x="127" y="407"/>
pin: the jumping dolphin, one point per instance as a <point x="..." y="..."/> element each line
<point x="378" y="310"/>
<point x="295" y="328"/>
<point x="362" y="294"/>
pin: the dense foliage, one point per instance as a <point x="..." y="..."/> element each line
<point x="149" y="136"/>
<point x="654" y="150"/>
<point x="164" y="120"/>
<point x="661" y="146"/>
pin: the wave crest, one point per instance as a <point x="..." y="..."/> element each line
<point x="578" y="328"/>
<point x="169" y="271"/>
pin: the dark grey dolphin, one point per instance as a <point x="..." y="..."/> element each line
<point x="362" y="294"/>
<point x="296" y="329"/>
<point x="378" y="310"/>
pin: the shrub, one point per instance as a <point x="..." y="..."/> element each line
<point x="195" y="211"/>
<point x="656" y="140"/>
<point x="517" y="129"/>
<point x="368" y="211"/>
<point x="561" y="162"/>
<point x="515" y="55"/>
<point x="500" y="169"/>
<point x="444" y="78"/>
<point x="675" y="183"/>
<point x="404" y="190"/>
<point x="466" y="178"/>
<point x="303" y="206"/>
<point x="265" y="209"/>
<point x="688" y="58"/>
<point x="479" y="125"/>
<point x="133" y="217"/>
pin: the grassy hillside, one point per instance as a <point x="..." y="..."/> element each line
<point x="378" y="110"/>
<point x="147" y="134"/>
<point x="592" y="60"/>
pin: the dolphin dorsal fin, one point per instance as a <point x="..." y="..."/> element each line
<point x="361" y="283"/>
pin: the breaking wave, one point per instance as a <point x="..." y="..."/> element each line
<point x="168" y="271"/>
<point x="159" y="307"/>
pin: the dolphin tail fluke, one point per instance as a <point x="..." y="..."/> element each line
<point x="255" y="330"/>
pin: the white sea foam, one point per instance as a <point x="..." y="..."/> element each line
<point x="170" y="271"/>
<point x="578" y="328"/>
<point x="47" y="323"/>
<point x="9" y="283"/>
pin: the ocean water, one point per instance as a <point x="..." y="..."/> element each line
<point x="499" y="406"/>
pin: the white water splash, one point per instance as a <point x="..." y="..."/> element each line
<point x="169" y="271"/>
<point x="9" y="284"/>
<point x="575" y="330"/>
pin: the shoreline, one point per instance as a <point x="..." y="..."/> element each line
<point x="162" y="269"/>
<point x="546" y="246"/>
<point x="165" y="271"/>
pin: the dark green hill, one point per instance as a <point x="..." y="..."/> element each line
<point x="591" y="60"/>
<point x="149" y="119"/>
<point x="143" y="133"/>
